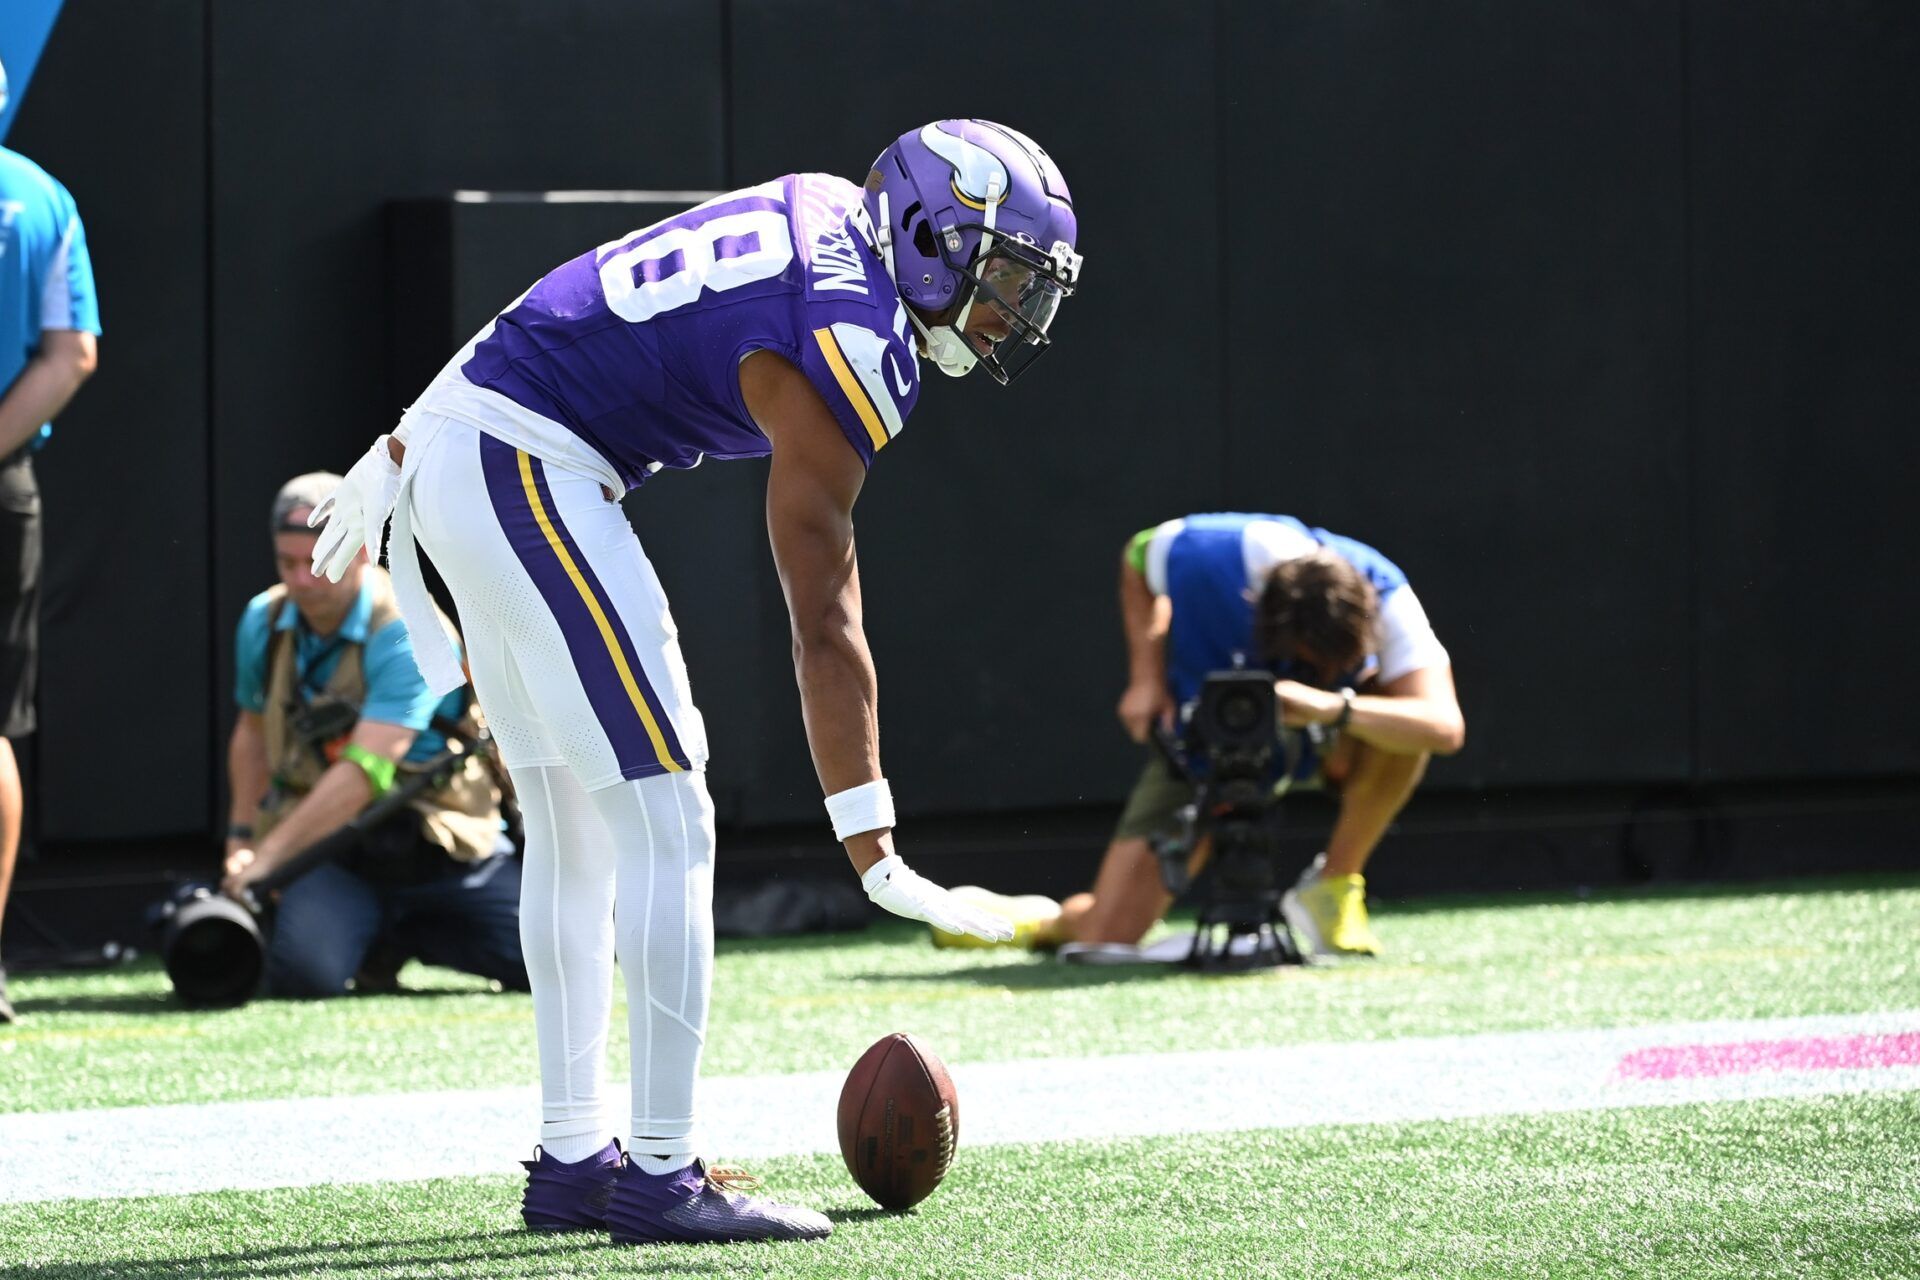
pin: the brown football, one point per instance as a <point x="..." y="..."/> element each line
<point x="899" y="1121"/>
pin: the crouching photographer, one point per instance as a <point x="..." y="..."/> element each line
<point x="1362" y="690"/>
<point x="335" y="725"/>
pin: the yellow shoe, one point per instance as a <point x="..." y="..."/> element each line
<point x="1330" y="914"/>
<point x="1031" y="915"/>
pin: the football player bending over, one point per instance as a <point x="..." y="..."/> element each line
<point x="1352" y="654"/>
<point x="786" y="319"/>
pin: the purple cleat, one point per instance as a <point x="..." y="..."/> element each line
<point x="697" y="1205"/>
<point x="569" y="1197"/>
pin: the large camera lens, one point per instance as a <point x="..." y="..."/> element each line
<point x="213" y="952"/>
<point x="1239" y="711"/>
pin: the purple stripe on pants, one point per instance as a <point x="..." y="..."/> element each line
<point x="607" y="693"/>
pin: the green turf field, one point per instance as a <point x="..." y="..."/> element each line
<point x="1807" y="1186"/>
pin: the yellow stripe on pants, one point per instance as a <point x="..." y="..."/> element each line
<point x="599" y="616"/>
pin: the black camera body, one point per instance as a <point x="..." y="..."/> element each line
<point x="1235" y="727"/>
<point x="1228" y="752"/>
<point x="323" y="721"/>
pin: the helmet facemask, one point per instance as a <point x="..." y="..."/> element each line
<point x="1022" y="283"/>
<point x="1025" y="288"/>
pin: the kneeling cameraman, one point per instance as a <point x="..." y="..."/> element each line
<point x="1364" y="688"/>
<point x="333" y="715"/>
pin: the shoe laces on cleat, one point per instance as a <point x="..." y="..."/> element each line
<point x="726" y="1177"/>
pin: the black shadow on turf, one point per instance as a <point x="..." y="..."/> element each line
<point x="386" y="1257"/>
<point x="864" y="1214"/>
<point x="1041" y="975"/>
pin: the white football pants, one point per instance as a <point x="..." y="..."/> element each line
<point x="577" y="666"/>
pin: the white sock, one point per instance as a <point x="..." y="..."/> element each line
<point x="658" y="1164"/>
<point x="572" y="1148"/>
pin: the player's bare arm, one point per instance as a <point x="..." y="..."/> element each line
<point x="1418" y="712"/>
<point x="811" y="488"/>
<point x="1143" y="619"/>
<point x="343" y="791"/>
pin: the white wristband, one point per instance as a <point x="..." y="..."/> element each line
<point x="867" y="807"/>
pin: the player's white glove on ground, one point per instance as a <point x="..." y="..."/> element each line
<point x="894" y="885"/>
<point x="356" y="512"/>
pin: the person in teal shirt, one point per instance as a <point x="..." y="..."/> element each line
<point x="333" y="715"/>
<point x="49" y="326"/>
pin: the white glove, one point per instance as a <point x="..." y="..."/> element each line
<point x="894" y="885"/>
<point x="356" y="512"/>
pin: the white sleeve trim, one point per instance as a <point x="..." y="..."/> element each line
<point x="1157" y="548"/>
<point x="1407" y="641"/>
<point x="56" y="291"/>
<point x="866" y="351"/>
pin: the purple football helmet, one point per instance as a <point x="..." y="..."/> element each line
<point x="969" y="212"/>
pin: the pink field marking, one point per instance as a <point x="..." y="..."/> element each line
<point x="1811" y="1053"/>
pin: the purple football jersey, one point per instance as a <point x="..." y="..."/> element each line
<point x="635" y="347"/>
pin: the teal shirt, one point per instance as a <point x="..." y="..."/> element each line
<point x="396" y="691"/>
<point x="46" y="275"/>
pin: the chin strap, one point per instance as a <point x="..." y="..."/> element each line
<point x="951" y="354"/>
<point x="959" y="323"/>
<point x="884" y="236"/>
<point x="948" y="347"/>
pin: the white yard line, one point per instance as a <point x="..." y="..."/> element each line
<point x="133" y="1151"/>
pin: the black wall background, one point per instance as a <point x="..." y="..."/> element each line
<point x="1597" y="317"/>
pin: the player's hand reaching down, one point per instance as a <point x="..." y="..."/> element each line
<point x="356" y="513"/>
<point x="892" y="884"/>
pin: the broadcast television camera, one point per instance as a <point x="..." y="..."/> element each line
<point x="1231" y="752"/>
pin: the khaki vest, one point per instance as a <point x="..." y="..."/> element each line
<point x="462" y="817"/>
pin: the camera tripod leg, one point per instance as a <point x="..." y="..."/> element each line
<point x="1270" y="942"/>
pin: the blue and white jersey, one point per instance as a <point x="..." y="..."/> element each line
<point x="46" y="277"/>
<point x="1212" y="567"/>
<point x="625" y="361"/>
